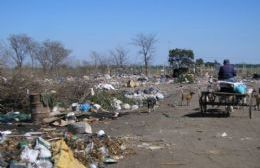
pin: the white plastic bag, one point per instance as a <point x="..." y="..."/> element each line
<point x="42" y="163"/>
<point x="44" y="152"/>
<point x="29" y="155"/>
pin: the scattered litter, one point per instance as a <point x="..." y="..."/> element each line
<point x="79" y="128"/>
<point x="85" y="107"/>
<point x="215" y="152"/>
<point x="43" y="163"/>
<point x="3" y="135"/>
<point x="246" y="138"/>
<point x="75" y="106"/>
<point x="29" y="155"/>
<point x="155" y="147"/>
<point x="71" y="117"/>
<point x="43" y="142"/>
<point x="224" y="134"/>
<point x="109" y="160"/>
<point x="101" y="133"/>
<point x="132" y="84"/>
<point x="92" y="165"/>
<point x="134" y="107"/>
<point x="126" y="106"/>
<point x="63" y="156"/>
<point x="14" y="117"/>
<point x="105" y="86"/>
<point x="97" y="106"/>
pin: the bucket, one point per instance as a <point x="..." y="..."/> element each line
<point x="38" y="112"/>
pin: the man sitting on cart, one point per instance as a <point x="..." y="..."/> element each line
<point x="227" y="72"/>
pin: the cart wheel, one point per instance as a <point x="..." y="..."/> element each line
<point x="228" y="111"/>
<point x="228" y="114"/>
<point x="201" y="106"/>
<point x="250" y="107"/>
<point x="201" y="109"/>
<point x="205" y="108"/>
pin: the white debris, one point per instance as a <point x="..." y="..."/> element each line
<point x="101" y="133"/>
<point x="29" y="155"/>
<point x="97" y="106"/>
<point x="159" y="96"/>
<point x="117" y="104"/>
<point x="92" y="93"/>
<point x="224" y="134"/>
<point x="126" y="106"/>
<point x="85" y="77"/>
<point x="105" y="86"/>
<point x="134" y="107"/>
<point x="107" y="76"/>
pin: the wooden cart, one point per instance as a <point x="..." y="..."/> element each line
<point x="228" y="100"/>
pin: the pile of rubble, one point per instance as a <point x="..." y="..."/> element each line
<point x="71" y="105"/>
<point x="53" y="149"/>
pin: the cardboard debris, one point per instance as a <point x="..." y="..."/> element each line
<point x="63" y="156"/>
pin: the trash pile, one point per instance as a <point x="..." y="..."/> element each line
<point x="14" y="117"/>
<point x="186" y="78"/>
<point x="144" y="94"/>
<point x="53" y="149"/>
<point x="70" y="105"/>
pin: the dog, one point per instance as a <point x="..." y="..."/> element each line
<point x="151" y="102"/>
<point x="257" y="99"/>
<point x="187" y="97"/>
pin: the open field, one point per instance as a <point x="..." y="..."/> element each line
<point x="187" y="139"/>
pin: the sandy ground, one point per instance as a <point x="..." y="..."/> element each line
<point x="180" y="137"/>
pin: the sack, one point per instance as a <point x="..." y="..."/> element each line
<point x="240" y="89"/>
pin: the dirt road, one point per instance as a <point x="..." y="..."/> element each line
<point x="179" y="137"/>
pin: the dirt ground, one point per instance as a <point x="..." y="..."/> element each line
<point x="178" y="136"/>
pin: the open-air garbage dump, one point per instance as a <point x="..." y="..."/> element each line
<point x="52" y="119"/>
<point x="129" y="84"/>
<point x="51" y="122"/>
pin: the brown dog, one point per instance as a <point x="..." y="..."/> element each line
<point x="187" y="97"/>
<point x="256" y="96"/>
<point x="257" y="102"/>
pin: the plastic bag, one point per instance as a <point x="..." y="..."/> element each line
<point x="43" y="163"/>
<point x="241" y="88"/>
<point x="29" y="155"/>
<point x="44" y="152"/>
<point x="84" y="107"/>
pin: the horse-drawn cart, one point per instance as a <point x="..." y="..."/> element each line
<point x="226" y="99"/>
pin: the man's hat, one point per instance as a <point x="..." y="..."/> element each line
<point x="226" y="61"/>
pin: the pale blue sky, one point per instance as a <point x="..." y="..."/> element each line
<point x="213" y="29"/>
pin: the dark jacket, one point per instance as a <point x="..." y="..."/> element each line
<point x="226" y="71"/>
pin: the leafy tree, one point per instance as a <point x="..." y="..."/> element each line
<point x="199" y="62"/>
<point x="181" y="60"/>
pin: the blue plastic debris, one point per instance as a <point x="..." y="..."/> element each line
<point x="84" y="107"/>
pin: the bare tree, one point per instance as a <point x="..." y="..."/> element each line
<point x="105" y="63"/>
<point x="2" y="55"/>
<point x="51" y="55"/>
<point x="33" y="49"/>
<point x="95" y="57"/>
<point x="19" y="44"/>
<point x="119" y="55"/>
<point x="5" y="54"/>
<point x="146" y="45"/>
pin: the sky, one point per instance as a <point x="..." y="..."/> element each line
<point x="213" y="29"/>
